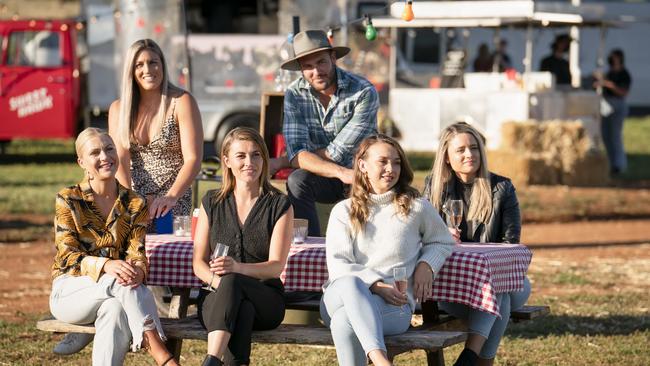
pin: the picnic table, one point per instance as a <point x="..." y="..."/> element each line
<point x="472" y="275"/>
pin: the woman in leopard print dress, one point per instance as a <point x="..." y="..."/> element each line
<point x="158" y="132"/>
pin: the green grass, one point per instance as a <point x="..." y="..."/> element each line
<point x="33" y="171"/>
<point x="584" y="329"/>
<point x="636" y="139"/>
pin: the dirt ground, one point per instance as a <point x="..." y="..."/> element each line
<point x="25" y="267"/>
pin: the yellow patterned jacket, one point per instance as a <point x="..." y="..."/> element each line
<point x="85" y="241"/>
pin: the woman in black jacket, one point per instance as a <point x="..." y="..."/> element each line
<point x="490" y="215"/>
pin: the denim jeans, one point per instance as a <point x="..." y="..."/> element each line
<point x="488" y="325"/>
<point x="611" y="129"/>
<point x="120" y="314"/>
<point x="359" y="319"/>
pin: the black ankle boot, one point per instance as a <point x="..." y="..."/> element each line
<point x="210" y="360"/>
<point x="466" y="358"/>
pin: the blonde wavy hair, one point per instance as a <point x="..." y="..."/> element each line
<point x="480" y="206"/>
<point x="360" y="194"/>
<point x="130" y="93"/>
<point x="228" y="178"/>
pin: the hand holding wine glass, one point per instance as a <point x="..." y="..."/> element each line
<point x="454" y="211"/>
<point x="220" y="250"/>
<point x="401" y="280"/>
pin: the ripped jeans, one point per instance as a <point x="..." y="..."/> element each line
<point x="120" y="314"/>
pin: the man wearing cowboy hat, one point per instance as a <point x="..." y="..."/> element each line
<point x="327" y="113"/>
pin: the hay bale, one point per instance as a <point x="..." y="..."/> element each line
<point x="549" y="152"/>
<point x="522" y="170"/>
<point x="591" y="170"/>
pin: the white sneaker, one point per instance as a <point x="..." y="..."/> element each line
<point x="73" y="343"/>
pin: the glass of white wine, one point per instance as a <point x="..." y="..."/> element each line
<point x="401" y="281"/>
<point x="454" y="209"/>
<point x="220" y="250"/>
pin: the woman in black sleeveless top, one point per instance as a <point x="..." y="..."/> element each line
<point x="255" y="221"/>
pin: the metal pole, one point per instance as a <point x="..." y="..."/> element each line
<point x="600" y="60"/>
<point x="393" y="60"/>
<point x="528" y="58"/>
<point x="574" y="52"/>
<point x="496" y="40"/>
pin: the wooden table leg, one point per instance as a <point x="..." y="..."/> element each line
<point x="178" y="310"/>
<point x="435" y="358"/>
<point x="429" y="316"/>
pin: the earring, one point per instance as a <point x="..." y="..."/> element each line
<point x="90" y="177"/>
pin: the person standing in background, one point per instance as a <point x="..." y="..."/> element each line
<point x="616" y="85"/>
<point x="555" y="63"/>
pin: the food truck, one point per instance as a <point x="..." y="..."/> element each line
<point x="486" y="99"/>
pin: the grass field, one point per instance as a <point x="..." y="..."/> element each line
<point x="32" y="172"/>
<point x="599" y="303"/>
<point x="600" y="316"/>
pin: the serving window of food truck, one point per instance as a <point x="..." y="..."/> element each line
<point x="423" y="104"/>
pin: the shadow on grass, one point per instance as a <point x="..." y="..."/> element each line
<point x="580" y="325"/>
<point x="8" y="159"/>
<point x="23" y="224"/>
<point x="638" y="169"/>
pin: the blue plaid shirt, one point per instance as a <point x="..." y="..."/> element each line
<point x="349" y="118"/>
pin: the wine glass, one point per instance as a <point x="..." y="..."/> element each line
<point x="454" y="210"/>
<point x="220" y="250"/>
<point x="401" y="281"/>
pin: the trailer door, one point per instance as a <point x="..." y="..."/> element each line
<point x="36" y="86"/>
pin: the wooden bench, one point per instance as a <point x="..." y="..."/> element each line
<point x="437" y="332"/>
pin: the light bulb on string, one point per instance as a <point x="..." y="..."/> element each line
<point x="407" y="14"/>
<point x="371" y="32"/>
<point x="330" y="36"/>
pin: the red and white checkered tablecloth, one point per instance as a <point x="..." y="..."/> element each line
<point x="472" y="275"/>
<point x="170" y="261"/>
<point x="306" y="268"/>
<point x="475" y="273"/>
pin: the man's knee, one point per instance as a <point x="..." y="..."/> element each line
<point x="298" y="182"/>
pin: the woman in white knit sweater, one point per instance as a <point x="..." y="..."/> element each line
<point x="382" y="226"/>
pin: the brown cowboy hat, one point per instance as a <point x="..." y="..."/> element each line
<point x="309" y="42"/>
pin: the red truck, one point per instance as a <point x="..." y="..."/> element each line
<point x="39" y="79"/>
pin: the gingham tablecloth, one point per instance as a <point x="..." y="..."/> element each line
<point x="472" y="275"/>
<point x="170" y="263"/>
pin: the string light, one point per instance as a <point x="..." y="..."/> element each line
<point x="330" y="36"/>
<point x="371" y="32"/>
<point x="407" y="14"/>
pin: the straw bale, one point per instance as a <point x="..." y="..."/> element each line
<point x="549" y="152"/>
<point x="522" y="170"/>
<point x="591" y="170"/>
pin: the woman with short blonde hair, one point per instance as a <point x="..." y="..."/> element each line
<point x="100" y="264"/>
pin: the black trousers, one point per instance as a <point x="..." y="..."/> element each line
<point x="305" y="189"/>
<point x="240" y="305"/>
